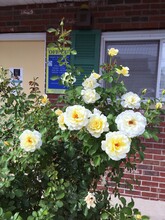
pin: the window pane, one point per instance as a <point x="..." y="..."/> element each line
<point x="142" y="59"/>
<point x="162" y="67"/>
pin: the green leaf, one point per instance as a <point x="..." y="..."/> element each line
<point x="51" y="30"/>
<point x="127" y="210"/>
<point x="104" y="216"/>
<point x="60" y="195"/>
<point x="96" y="160"/>
<point x="59" y="203"/>
<point x="73" y="52"/>
<point x="144" y="217"/>
<point x="123" y="201"/>
<point x="54" y="77"/>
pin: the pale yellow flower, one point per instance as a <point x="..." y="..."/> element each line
<point x="58" y="112"/>
<point x="44" y="100"/>
<point x="90" y="83"/>
<point x="90" y="200"/>
<point x="158" y="105"/>
<point x="30" y="140"/>
<point x="90" y="95"/>
<point x="123" y="71"/>
<point x="60" y="121"/>
<point x="116" y="145"/>
<point x="97" y="124"/>
<point x="95" y="75"/>
<point x="130" y="100"/>
<point x="113" y="52"/>
<point x="131" y="123"/>
<point x="76" y="117"/>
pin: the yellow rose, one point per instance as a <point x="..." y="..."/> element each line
<point x="158" y="105"/>
<point x="123" y="71"/>
<point x="113" y="52"/>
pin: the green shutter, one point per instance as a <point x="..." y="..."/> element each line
<point x="87" y="45"/>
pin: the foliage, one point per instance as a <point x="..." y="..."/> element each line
<point x="59" y="179"/>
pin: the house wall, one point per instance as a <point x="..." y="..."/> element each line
<point x="107" y="15"/>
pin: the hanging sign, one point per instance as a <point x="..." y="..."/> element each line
<point x="54" y="72"/>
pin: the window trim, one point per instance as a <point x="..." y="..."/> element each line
<point x="135" y="35"/>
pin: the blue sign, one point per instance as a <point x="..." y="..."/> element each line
<point x="54" y="72"/>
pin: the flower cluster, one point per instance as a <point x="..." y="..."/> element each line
<point x="88" y="92"/>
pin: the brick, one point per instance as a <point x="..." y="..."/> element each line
<point x="158" y="179"/>
<point x="151" y="184"/>
<point x="150" y="195"/>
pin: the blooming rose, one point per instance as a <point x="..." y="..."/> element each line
<point x="131" y="123"/>
<point x="60" y="121"/>
<point x="116" y="145"/>
<point x="124" y="70"/>
<point x="158" y="105"/>
<point x="113" y="52"/>
<point x="44" y="100"/>
<point x="97" y="124"/>
<point x="90" y="83"/>
<point x="130" y="100"/>
<point x="30" y="140"/>
<point x="90" y="95"/>
<point x="95" y="75"/>
<point x="76" y="117"/>
<point x="90" y="200"/>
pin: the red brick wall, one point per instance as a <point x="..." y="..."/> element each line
<point x="107" y="15"/>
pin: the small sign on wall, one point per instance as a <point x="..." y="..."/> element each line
<point x="16" y="75"/>
<point x="54" y="72"/>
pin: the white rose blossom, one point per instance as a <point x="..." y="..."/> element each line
<point x="97" y="124"/>
<point x="90" y="200"/>
<point x="90" y="95"/>
<point x="76" y="117"/>
<point x="116" y="145"/>
<point x="44" y="100"/>
<point x="124" y="70"/>
<point x="90" y="83"/>
<point x="131" y="123"/>
<point x="30" y="140"/>
<point x="130" y="100"/>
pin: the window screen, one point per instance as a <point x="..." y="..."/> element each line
<point x="162" y="68"/>
<point x="142" y="59"/>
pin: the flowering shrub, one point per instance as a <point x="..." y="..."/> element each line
<point x="53" y="158"/>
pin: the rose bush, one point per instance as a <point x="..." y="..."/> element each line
<point x="53" y="158"/>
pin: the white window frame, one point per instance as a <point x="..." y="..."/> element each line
<point x="135" y="35"/>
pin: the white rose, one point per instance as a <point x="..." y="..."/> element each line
<point x="76" y="117"/>
<point x="30" y="140"/>
<point x="97" y="124"/>
<point x="90" y="95"/>
<point x="131" y="123"/>
<point x="90" y="83"/>
<point x="90" y="200"/>
<point x="116" y="145"/>
<point x="130" y="100"/>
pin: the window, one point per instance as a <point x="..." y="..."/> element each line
<point x="144" y="53"/>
